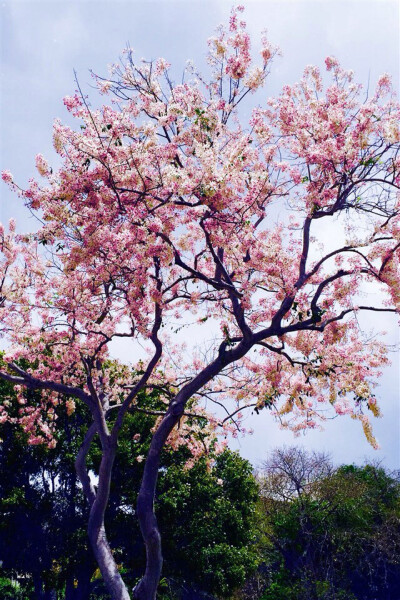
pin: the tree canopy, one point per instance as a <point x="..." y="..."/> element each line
<point x="167" y="208"/>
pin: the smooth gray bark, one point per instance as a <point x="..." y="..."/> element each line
<point x="98" y="500"/>
<point x="107" y="564"/>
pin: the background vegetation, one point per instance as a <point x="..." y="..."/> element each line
<point x="299" y="529"/>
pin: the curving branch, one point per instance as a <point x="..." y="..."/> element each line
<point x="33" y="383"/>
<point x="80" y="465"/>
<point x="218" y="285"/>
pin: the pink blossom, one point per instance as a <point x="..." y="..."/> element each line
<point x="7" y="176"/>
<point x="331" y="62"/>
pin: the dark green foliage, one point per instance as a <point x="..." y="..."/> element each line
<point x="12" y="590"/>
<point x="206" y="513"/>
<point x="335" y="537"/>
<point x="316" y="533"/>
<point x="208" y="521"/>
<point x="43" y="514"/>
<point x="209" y="529"/>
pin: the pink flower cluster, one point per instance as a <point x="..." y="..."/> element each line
<point x="165" y="209"/>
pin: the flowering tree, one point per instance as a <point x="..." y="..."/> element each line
<point x="166" y="208"/>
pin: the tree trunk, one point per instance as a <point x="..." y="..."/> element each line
<point x="146" y="589"/>
<point x="97" y="532"/>
<point x="98" y="501"/>
<point x="107" y="564"/>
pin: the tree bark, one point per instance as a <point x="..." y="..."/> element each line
<point x="107" y="564"/>
<point x="98" y="502"/>
<point x="146" y="589"/>
<point x="97" y="532"/>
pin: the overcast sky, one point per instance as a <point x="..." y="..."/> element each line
<point x="43" y="41"/>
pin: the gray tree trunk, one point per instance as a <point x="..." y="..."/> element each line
<point x="98" y="500"/>
<point x="146" y="589"/>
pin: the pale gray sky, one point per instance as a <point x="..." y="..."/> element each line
<point x="43" y="41"/>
